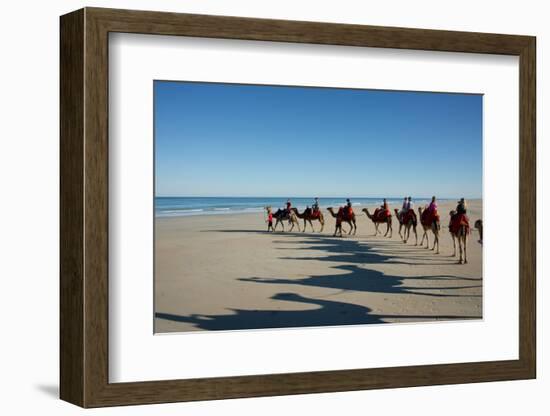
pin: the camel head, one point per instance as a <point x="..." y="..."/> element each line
<point x="478" y="224"/>
<point x="396" y="212"/>
<point x="366" y="211"/>
<point x="331" y="210"/>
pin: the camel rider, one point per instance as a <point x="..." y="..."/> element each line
<point x="315" y="206"/>
<point x="348" y="207"/>
<point x="404" y="209"/>
<point x="288" y="207"/>
<point x="461" y="207"/>
<point x="432" y="209"/>
<point x="410" y="204"/>
<point x="383" y="210"/>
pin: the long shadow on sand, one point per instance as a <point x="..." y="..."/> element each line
<point x="325" y="313"/>
<point x="354" y="275"/>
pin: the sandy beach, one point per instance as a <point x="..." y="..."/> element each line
<point x="225" y="272"/>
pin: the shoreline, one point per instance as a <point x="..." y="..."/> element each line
<point x="246" y="211"/>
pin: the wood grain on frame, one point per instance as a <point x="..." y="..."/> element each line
<point x="84" y="207"/>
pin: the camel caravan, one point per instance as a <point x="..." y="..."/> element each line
<point x="428" y="217"/>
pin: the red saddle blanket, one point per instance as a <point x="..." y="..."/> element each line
<point x="316" y="213"/>
<point x="429" y="217"/>
<point x="380" y="215"/>
<point x="408" y="216"/>
<point x="345" y="214"/>
<point x="457" y="221"/>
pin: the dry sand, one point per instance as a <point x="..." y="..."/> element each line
<point x="225" y="272"/>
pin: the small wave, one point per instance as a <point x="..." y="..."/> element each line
<point x="179" y="211"/>
<point x="222" y="209"/>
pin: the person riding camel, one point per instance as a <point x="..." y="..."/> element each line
<point x="348" y="209"/>
<point x="288" y="208"/>
<point x="315" y="206"/>
<point x="432" y="209"/>
<point x="459" y="218"/>
<point x="383" y="211"/>
<point x="461" y="207"/>
<point x="404" y="208"/>
<point x="410" y="204"/>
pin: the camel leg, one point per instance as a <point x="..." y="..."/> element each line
<point x="460" y="250"/>
<point x="454" y="244"/>
<point x="415" y="236"/>
<point x="350" y="228"/>
<point x="304" y="226"/>
<point x="354" y="228"/>
<point x="322" y="225"/>
<point x="310" y="223"/>
<point x="465" y="258"/>
<point x="436" y="242"/>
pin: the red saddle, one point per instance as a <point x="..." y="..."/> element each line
<point x="457" y="221"/>
<point x="429" y="217"/>
<point x="408" y="216"/>
<point x="380" y="215"/>
<point x="316" y="213"/>
<point x="345" y="213"/>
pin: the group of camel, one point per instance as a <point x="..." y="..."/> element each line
<point x="406" y="224"/>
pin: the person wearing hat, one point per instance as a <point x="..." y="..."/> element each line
<point x="315" y="206"/>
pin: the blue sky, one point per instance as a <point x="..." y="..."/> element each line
<point x="251" y="140"/>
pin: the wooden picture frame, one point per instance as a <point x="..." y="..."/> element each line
<point x="84" y="207"/>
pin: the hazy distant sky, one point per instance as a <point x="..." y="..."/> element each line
<point x="248" y="140"/>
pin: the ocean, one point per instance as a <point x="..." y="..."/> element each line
<point x="186" y="206"/>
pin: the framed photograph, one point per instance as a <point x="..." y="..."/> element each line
<point x="255" y="207"/>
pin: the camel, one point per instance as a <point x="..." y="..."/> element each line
<point x="411" y="223"/>
<point x="282" y="215"/>
<point x="377" y="222"/>
<point x="461" y="235"/>
<point x="427" y="227"/>
<point x="308" y="216"/>
<point x="343" y="218"/>
<point x="479" y="225"/>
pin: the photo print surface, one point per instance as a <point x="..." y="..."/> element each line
<point x="292" y="207"/>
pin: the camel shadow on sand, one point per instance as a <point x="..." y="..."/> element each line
<point x="353" y="276"/>
<point x="324" y="313"/>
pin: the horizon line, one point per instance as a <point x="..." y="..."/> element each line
<point x="308" y="196"/>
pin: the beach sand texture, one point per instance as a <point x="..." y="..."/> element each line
<point x="225" y="272"/>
